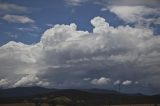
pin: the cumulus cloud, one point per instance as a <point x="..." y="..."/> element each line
<point x="30" y="80"/>
<point x="17" y="19"/>
<point x="127" y="82"/>
<point x="27" y="81"/>
<point x="65" y="56"/>
<point x="101" y="81"/>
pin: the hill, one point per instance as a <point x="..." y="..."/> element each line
<point x="91" y="97"/>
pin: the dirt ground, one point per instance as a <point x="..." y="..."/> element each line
<point x="22" y="104"/>
<point x="135" y="105"/>
<point x="31" y="104"/>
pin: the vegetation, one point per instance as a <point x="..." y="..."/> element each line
<point x="80" y="98"/>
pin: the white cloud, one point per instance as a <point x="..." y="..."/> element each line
<point x="101" y="81"/>
<point x="133" y="3"/>
<point x="135" y="14"/>
<point x="49" y="25"/>
<point x="66" y="56"/>
<point x="75" y="2"/>
<point x="17" y="19"/>
<point x="43" y="83"/>
<point x="127" y="82"/>
<point x="100" y="25"/>
<point x="29" y="29"/>
<point x="141" y="12"/>
<point x="30" y="80"/>
<point x="8" y="7"/>
<point x="151" y="3"/>
<point x="104" y="9"/>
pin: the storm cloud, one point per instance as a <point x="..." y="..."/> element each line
<point x="65" y="56"/>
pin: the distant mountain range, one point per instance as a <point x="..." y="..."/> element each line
<point x="90" y="96"/>
<point x="24" y="91"/>
<point x="32" y="91"/>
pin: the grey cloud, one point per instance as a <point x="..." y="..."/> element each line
<point x="65" y="56"/>
<point x="4" y="83"/>
<point x="117" y="82"/>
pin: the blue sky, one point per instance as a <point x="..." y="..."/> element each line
<point x="51" y="12"/>
<point x="80" y="44"/>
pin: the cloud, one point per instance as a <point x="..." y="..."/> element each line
<point x="127" y="82"/>
<point x="141" y="13"/>
<point x="75" y="2"/>
<point x="154" y="21"/>
<point x="117" y="82"/>
<point x="135" y="14"/>
<point x="12" y="8"/>
<point x="136" y="82"/>
<point x="86" y="79"/>
<point x="4" y="83"/>
<point x="101" y="81"/>
<point x="30" y="80"/>
<point x="29" y="29"/>
<point x="50" y="25"/>
<point x="17" y="19"/>
<point x="115" y="2"/>
<point x="104" y="3"/>
<point x="133" y="3"/>
<point x="65" y="56"/>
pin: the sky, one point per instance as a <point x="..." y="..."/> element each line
<point x="81" y="44"/>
